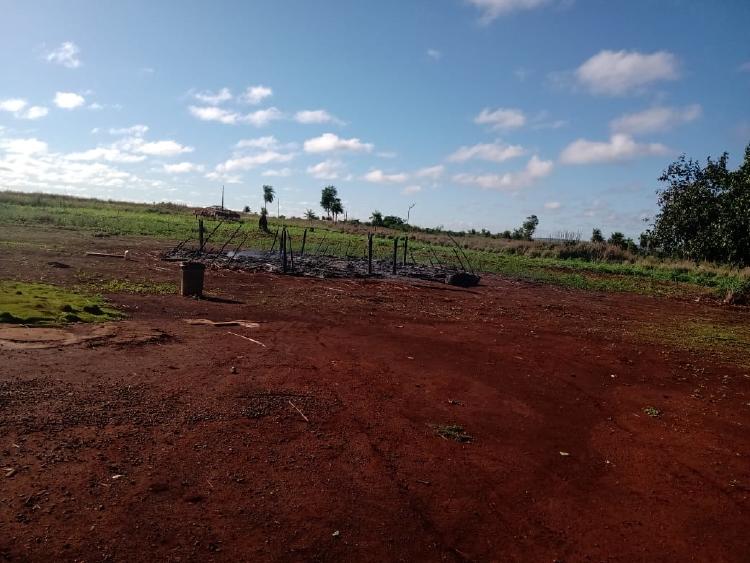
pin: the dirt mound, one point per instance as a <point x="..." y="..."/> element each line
<point x="25" y="338"/>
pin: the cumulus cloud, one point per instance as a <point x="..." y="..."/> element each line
<point x="108" y="154"/>
<point x="501" y="118"/>
<point x="655" y="119"/>
<point x="379" y="177"/>
<point x="138" y="130"/>
<point x="620" y="147"/>
<point x="492" y="9"/>
<point x="213" y="98"/>
<point x="494" y="152"/>
<point x="262" y="117"/>
<point x="213" y="113"/>
<point x="431" y="172"/>
<point x="552" y="205"/>
<point x="617" y="73"/>
<point x="326" y="170"/>
<point x="34" y="112"/>
<point x="248" y="162"/>
<point x="315" y="116"/>
<point x="183" y="168"/>
<point x="268" y="142"/>
<point x="68" y="100"/>
<point x="277" y="173"/>
<point x="256" y="94"/>
<point x="13" y="105"/>
<point x="28" y="146"/>
<point x="411" y="190"/>
<point x="66" y="55"/>
<point x="510" y="181"/>
<point x="162" y="148"/>
<point x="328" y="142"/>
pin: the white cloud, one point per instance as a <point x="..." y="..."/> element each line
<point x="501" y="118"/>
<point x="379" y="177"/>
<point x="108" y="154"/>
<point x="510" y="181"/>
<point x="330" y="142"/>
<point x="492" y="9"/>
<point x="135" y="130"/>
<point x="434" y="54"/>
<point x="432" y="172"/>
<point x="262" y="117"/>
<point x="552" y="205"/>
<point x="35" y="112"/>
<point x="256" y="94"/>
<point x="183" y="168"/>
<point x="162" y="148"/>
<point x="252" y="161"/>
<point x="68" y="100"/>
<point x="212" y="113"/>
<point x="268" y="142"/>
<point x="315" y="116"/>
<point x="410" y="190"/>
<point x="23" y="146"/>
<point x="214" y="98"/>
<point x="13" y="104"/>
<point x="326" y="170"/>
<point x="616" y="73"/>
<point x="620" y="147"/>
<point x="655" y="119"/>
<point x="277" y="173"/>
<point x="494" y="152"/>
<point x="66" y="54"/>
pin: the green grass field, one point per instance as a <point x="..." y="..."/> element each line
<point x="174" y="223"/>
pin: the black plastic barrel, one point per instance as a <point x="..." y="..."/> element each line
<point x="191" y="279"/>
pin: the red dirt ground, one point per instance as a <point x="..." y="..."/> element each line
<point x="186" y="447"/>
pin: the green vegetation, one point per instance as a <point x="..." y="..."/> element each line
<point x="43" y="304"/>
<point x="145" y="287"/>
<point x="652" y="412"/>
<point x="583" y="265"/>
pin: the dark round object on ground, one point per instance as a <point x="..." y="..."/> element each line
<point x="462" y="279"/>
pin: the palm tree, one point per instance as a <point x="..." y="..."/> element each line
<point x="268" y="195"/>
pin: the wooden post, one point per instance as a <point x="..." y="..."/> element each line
<point x="406" y="245"/>
<point x="201" y="231"/>
<point x="304" y="240"/>
<point x="291" y="251"/>
<point x="283" y="250"/>
<point x="395" y="253"/>
<point x="369" y="254"/>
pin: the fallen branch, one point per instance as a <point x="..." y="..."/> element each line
<point x="247" y="338"/>
<point x="299" y="411"/>
<point x="246" y="324"/>
<point x="109" y="255"/>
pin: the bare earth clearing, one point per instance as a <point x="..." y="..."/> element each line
<point x="162" y="440"/>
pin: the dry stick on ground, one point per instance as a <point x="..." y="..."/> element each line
<point x="299" y="411"/>
<point x="247" y="338"/>
<point x="205" y="242"/>
<point x="236" y="250"/>
<point x="273" y="244"/>
<point x="468" y="263"/>
<point x="230" y="239"/>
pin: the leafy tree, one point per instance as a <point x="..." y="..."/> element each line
<point x="328" y="196"/>
<point x="263" y="220"/>
<point x="644" y="241"/>
<point x="527" y="229"/>
<point x="704" y="211"/>
<point x="268" y="195"/>
<point x="246" y="209"/>
<point x="506" y="234"/>
<point x="376" y="218"/>
<point x="596" y="236"/>
<point x="617" y="239"/>
<point x="336" y="208"/>
<point x="310" y="215"/>
<point x="393" y="222"/>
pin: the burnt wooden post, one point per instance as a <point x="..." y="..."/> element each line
<point x="369" y="254"/>
<point x="201" y="231"/>
<point x="291" y="251"/>
<point x="283" y="250"/>
<point x="304" y="240"/>
<point x="406" y="246"/>
<point x="395" y="253"/>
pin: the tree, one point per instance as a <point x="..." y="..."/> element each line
<point x="617" y="239"/>
<point x="393" y="222"/>
<point x="596" y="236"/>
<point x="327" y="198"/>
<point x="246" y="209"/>
<point x="527" y="228"/>
<point x="268" y="195"/>
<point x="376" y="218"/>
<point x="704" y="211"/>
<point x="336" y="208"/>
<point x="263" y="220"/>
<point x="310" y="215"/>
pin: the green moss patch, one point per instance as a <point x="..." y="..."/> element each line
<point x="43" y="304"/>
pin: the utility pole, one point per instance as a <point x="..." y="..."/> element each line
<point x="222" y="197"/>
<point x="408" y="213"/>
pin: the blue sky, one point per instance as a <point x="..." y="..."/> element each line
<point x="480" y="112"/>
